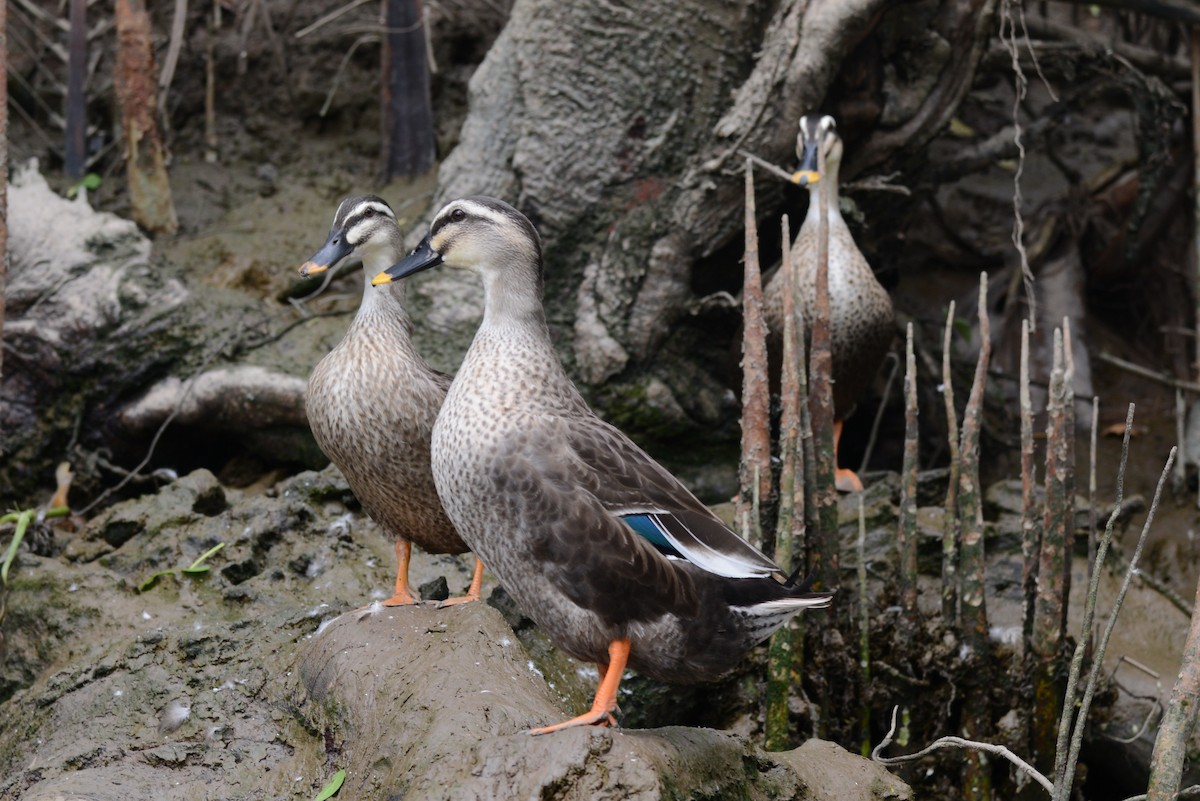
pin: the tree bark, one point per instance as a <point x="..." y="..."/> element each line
<point x="134" y="80"/>
<point x="74" y="149"/>
<point x="599" y="125"/>
<point x="408" y="147"/>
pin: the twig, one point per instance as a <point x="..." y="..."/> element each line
<point x="328" y="18"/>
<point x="1068" y="718"/>
<point x="864" y="613"/>
<point x="950" y="527"/>
<point x="1146" y="372"/>
<point x="878" y="421"/>
<point x="956" y="742"/>
<point x="778" y="172"/>
<point x="337" y="76"/>
<point x="1030" y="532"/>
<point x="167" y="74"/>
<point x="906" y="530"/>
<point x="789" y="525"/>
<point x="756" y="399"/>
<point x="1020" y="84"/>
<point x="1102" y="645"/>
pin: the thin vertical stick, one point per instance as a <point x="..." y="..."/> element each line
<point x="1030" y="529"/>
<point x="1179" y="719"/>
<point x="864" y="621"/>
<point x="210" y="87"/>
<point x="1196" y="181"/>
<point x="75" y="153"/>
<point x="906" y="544"/>
<point x="950" y="529"/>
<point x="1053" y="563"/>
<point x="974" y="628"/>
<point x="878" y="421"/>
<point x="1084" y="645"/>
<point x="1091" y="550"/>
<point x="1179" y="476"/>
<point x="779" y="665"/>
<point x="1067" y="473"/>
<point x="824" y="549"/>
<point x="1102" y="645"/>
<point x="756" y="400"/>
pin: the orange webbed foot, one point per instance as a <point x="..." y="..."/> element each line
<point x="596" y="717"/>
<point x="847" y="480"/>
<point x="473" y="592"/>
<point x="605" y="703"/>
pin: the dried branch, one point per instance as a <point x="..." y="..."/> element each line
<point x="824" y="550"/>
<point x="172" y="58"/>
<point x="956" y="742"/>
<point x="906" y="544"/>
<point x="1179" y="719"/>
<point x="1053" y="562"/>
<point x="1030" y="531"/>
<point x="973" y="624"/>
<point x="1146" y="372"/>
<point x="1018" y="232"/>
<point x="864" y="614"/>
<point x="780" y="661"/>
<point x="1102" y="646"/>
<point x="756" y="399"/>
<point x="950" y="528"/>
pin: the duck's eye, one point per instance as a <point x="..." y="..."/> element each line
<point x="458" y="215"/>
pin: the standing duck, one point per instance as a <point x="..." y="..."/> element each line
<point x="860" y="310"/>
<point x="372" y="400"/>
<point x="608" y="553"/>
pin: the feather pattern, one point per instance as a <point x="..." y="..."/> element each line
<point x="372" y="400"/>
<point x="593" y="538"/>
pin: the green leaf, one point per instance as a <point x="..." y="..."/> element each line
<point x="194" y="567"/>
<point x="22" y="523"/>
<point x="335" y="784"/>
<point x="149" y="581"/>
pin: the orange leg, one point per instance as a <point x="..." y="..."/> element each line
<point x="605" y="702"/>
<point x="402" y="596"/>
<point x="845" y="479"/>
<point x="472" y="591"/>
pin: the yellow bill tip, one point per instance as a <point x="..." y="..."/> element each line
<point x="312" y="268"/>
<point x="382" y="278"/>
<point x="805" y="177"/>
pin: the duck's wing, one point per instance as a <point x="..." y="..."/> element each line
<point x="575" y="543"/>
<point x="630" y="484"/>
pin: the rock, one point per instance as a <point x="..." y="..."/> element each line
<point x="245" y="681"/>
<point x="831" y="771"/>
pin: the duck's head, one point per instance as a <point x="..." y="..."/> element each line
<point x="364" y="225"/>
<point x="481" y="234"/>
<point x="817" y="134"/>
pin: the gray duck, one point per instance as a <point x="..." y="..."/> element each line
<point x="372" y="400"/>
<point x="604" y="549"/>
<point x="860" y="311"/>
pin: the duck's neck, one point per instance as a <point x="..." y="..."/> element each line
<point x="513" y="299"/>
<point x="386" y="299"/>
<point x="834" y="214"/>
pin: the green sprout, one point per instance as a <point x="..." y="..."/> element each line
<point x="193" y="569"/>
<point x="22" y="519"/>
<point x="335" y="784"/>
<point x="89" y="182"/>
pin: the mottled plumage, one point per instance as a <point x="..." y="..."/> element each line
<point x="860" y="310"/>
<point x="372" y="400"/>
<point x="540" y="487"/>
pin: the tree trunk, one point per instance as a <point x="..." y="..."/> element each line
<point x="600" y="125"/>
<point x="134" y="81"/>
<point x="408" y="147"/>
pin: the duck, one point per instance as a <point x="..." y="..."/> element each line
<point x="608" y="553"/>
<point x="861" y="317"/>
<point x="372" y="400"/>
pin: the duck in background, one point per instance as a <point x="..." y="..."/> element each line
<point x="603" y="548"/>
<point x="861" y="318"/>
<point x="372" y="400"/>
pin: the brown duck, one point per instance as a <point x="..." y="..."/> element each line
<point x="609" y="553"/>
<point x="860" y="311"/>
<point x="372" y="400"/>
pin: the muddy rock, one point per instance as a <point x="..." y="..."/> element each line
<point x="265" y="674"/>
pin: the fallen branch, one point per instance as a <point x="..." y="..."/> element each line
<point x="1146" y="372"/>
<point x="951" y="741"/>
